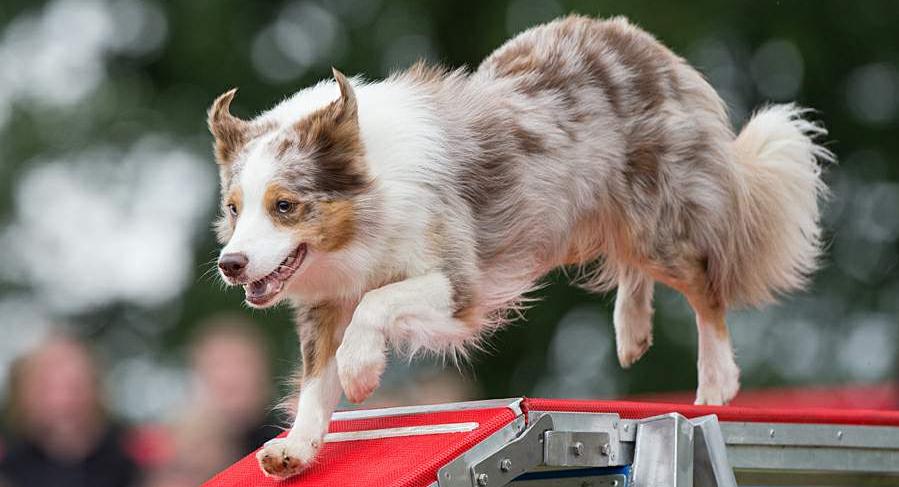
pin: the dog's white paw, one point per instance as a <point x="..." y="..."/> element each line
<point x="632" y="345"/>
<point x="361" y="360"/>
<point x="285" y="457"/>
<point x="718" y="385"/>
<point x="633" y="333"/>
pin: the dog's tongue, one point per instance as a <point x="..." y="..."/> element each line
<point x="259" y="290"/>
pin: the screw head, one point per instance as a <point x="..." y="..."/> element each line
<point x="505" y="465"/>
<point x="614" y="483"/>
<point x="627" y="427"/>
<point x="482" y="480"/>
<point x="771" y="433"/>
<point x="605" y="449"/>
<point x="840" y="435"/>
<point x="578" y="448"/>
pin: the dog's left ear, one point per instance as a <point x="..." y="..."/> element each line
<point x="229" y="131"/>
<point x="346" y="106"/>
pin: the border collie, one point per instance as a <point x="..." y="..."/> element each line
<point x="417" y="212"/>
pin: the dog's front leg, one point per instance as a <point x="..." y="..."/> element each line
<point x="319" y="327"/>
<point x="417" y="313"/>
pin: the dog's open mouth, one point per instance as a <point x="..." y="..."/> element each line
<point x="263" y="291"/>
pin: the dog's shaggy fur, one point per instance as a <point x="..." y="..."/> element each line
<point x="416" y="211"/>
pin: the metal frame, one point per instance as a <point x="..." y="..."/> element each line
<point x="788" y="454"/>
<point x="560" y="449"/>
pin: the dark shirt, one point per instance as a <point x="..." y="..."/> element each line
<point x="26" y="465"/>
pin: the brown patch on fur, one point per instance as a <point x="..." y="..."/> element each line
<point x="317" y="329"/>
<point x="338" y="224"/>
<point x="528" y="141"/>
<point x="471" y="316"/>
<point x="327" y="225"/>
<point x="275" y="193"/>
<point x="600" y="72"/>
<point x="533" y="71"/>
<point x="423" y="72"/>
<point x="331" y="135"/>
<point x="517" y="59"/>
<point x="235" y="197"/>
<point x="230" y="132"/>
<point x="455" y="266"/>
<point x="490" y="177"/>
<point x="642" y="170"/>
<point x="284" y="147"/>
<point x="224" y="225"/>
<point x="644" y="58"/>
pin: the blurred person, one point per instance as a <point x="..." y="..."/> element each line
<point x="62" y="433"/>
<point x="230" y="362"/>
<point x="228" y="414"/>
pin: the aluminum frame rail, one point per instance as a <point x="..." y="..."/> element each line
<point x="561" y="449"/>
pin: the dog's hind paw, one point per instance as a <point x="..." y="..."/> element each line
<point x="631" y="348"/>
<point x="285" y="457"/>
<point x="718" y="387"/>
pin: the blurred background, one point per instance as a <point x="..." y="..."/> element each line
<point x="110" y="306"/>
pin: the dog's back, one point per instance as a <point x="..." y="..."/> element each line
<point x="582" y="137"/>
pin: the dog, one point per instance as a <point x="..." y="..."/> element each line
<point x="417" y="211"/>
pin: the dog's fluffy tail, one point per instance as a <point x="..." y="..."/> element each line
<point x="778" y="237"/>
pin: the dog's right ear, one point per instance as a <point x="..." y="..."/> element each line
<point x="229" y="131"/>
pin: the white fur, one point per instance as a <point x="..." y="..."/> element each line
<point x="778" y="158"/>
<point x="415" y="314"/>
<point x="719" y="377"/>
<point x="318" y="398"/>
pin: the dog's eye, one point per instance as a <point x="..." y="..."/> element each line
<point x="284" y="206"/>
<point x="232" y="208"/>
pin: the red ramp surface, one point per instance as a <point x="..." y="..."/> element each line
<point x="398" y="461"/>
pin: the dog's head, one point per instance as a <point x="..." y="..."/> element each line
<point x="288" y="192"/>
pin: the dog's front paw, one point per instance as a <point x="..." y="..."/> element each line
<point x="361" y="360"/>
<point x="285" y="457"/>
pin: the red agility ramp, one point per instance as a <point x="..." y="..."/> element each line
<point x="425" y="440"/>
<point x="551" y="442"/>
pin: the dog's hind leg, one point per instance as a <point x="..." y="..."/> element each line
<point x="633" y="316"/>
<point x="719" y="377"/>
<point x="416" y="313"/>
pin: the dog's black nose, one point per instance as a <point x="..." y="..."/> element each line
<point x="232" y="265"/>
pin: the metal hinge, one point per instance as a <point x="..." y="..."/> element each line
<point x="543" y="444"/>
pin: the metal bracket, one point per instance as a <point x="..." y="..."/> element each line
<point x="674" y="451"/>
<point x="576" y="449"/>
<point x="552" y="441"/>
<point x="664" y="452"/>
<point x="710" y="464"/>
<point x="457" y="473"/>
<point x="517" y="457"/>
